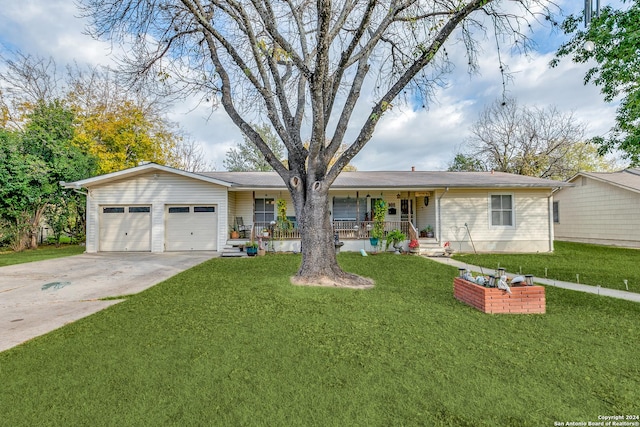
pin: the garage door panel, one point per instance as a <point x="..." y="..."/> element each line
<point x="191" y="228"/>
<point x="125" y="228"/>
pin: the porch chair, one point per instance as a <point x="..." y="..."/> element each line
<point x="242" y="229"/>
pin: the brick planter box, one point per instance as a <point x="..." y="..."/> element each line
<point x="523" y="299"/>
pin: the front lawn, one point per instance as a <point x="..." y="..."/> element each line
<point x="40" y="254"/>
<point x="594" y="265"/>
<point x="232" y="342"/>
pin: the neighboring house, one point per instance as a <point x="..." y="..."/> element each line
<point x="601" y="208"/>
<point x="156" y="208"/>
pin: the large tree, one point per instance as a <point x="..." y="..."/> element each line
<point x="32" y="163"/>
<point x="304" y="66"/>
<point x="526" y="140"/>
<point x="610" y="44"/>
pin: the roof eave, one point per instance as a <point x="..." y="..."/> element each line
<point x="138" y="170"/>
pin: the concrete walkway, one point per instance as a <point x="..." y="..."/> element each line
<point x="598" y="290"/>
<point x="38" y="297"/>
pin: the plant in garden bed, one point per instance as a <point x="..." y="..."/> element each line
<point x="395" y="239"/>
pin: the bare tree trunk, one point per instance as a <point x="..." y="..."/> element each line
<point x="319" y="265"/>
<point x="33" y="227"/>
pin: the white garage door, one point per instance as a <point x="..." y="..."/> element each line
<point x="125" y="228"/>
<point x="191" y="228"/>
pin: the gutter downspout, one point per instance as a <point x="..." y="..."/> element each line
<point x="439" y="215"/>
<point x="550" y="209"/>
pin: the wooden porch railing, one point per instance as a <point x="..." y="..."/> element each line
<point x="346" y="230"/>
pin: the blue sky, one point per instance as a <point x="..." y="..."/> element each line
<point x="405" y="137"/>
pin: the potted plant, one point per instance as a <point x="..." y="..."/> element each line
<point x="414" y="246"/>
<point x="234" y="234"/>
<point x="395" y="239"/>
<point x="379" y="211"/>
<point x="429" y="230"/>
<point x="252" y="248"/>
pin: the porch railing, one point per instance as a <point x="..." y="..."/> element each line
<point x="363" y="229"/>
<point x="347" y="230"/>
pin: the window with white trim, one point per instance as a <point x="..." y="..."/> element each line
<point x="556" y="212"/>
<point x="502" y="210"/>
<point x="349" y="209"/>
<point x="264" y="210"/>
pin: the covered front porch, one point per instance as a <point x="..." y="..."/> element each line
<point x="353" y="236"/>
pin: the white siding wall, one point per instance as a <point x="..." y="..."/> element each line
<point x="531" y="232"/>
<point x="156" y="189"/>
<point x="597" y="212"/>
<point x="244" y="206"/>
<point x="426" y="215"/>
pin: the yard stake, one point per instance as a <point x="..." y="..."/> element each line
<point x="626" y="283"/>
<point x="578" y="278"/>
<point x="474" y="246"/>
<point x="545" y="272"/>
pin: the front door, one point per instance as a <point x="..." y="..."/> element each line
<point x="406" y="211"/>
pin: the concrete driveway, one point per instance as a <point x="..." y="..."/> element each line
<point x="38" y="297"/>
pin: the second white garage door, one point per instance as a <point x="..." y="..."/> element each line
<point x="191" y="228"/>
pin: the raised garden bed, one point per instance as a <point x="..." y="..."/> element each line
<point x="523" y="299"/>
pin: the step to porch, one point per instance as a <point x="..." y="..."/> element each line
<point x="431" y="248"/>
<point x="232" y="251"/>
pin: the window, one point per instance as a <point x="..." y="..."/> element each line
<point x="139" y="209"/>
<point x="179" y="209"/>
<point x="502" y="210"/>
<point x="556" y="212"/>
<point x="204" y="209"/>
<point x="264" y="210"/>
<point x="349" y="209"/>
<point x="112" y="210"/>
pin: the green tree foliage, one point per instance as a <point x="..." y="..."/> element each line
<point x="465" y="163"/>
<point x="247" y="157"/>
<point x="612" y="42"/>
<point x="32" y="162"/>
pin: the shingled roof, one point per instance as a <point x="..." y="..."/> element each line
<point x="395" y="179"/>
<point x="628" y="179"/>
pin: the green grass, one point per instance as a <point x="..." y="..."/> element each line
<point x="596" y="265"/>
<point x="232" y="342"/>
<point x="42" y="253"/>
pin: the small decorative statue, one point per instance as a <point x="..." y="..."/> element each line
<point x="502" y="284"/>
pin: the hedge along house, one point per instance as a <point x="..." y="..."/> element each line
<point x="600" y="208"/>
<point x="156" y="208"/>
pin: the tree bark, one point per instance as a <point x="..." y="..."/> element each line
<point x="319" y="265"/>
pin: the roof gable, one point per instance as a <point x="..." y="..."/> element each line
<point x="628" y="179"/>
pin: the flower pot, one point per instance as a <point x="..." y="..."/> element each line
<point x="235" y="235"/>
<point x="251" y="251"/>
<point x="374" y="241"/>
<point x="430" y="234"/>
